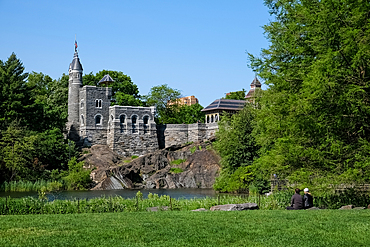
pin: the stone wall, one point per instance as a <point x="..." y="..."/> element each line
<point x="177" y="134"/>
<point x="130" y="137"/>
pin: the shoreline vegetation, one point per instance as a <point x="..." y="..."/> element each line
<point x="276" y="201"/>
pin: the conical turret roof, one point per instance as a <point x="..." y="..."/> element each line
<point x="75" y="65"/>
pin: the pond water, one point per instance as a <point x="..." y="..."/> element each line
<point x="126" y="193"/>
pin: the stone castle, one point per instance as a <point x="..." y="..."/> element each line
<point x="127" y="130"/>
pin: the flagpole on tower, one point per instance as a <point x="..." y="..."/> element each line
<point x="75" y="44"/>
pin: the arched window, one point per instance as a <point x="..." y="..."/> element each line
<point x="96" y="103"/>
<point x="133" y="122"/>
<point x="98" y="119"/>
<point x="100" y="102"/>
<point x="216" y="118"/>
<point x="133" y="119"/>
<point x="121" y="123"/>
<point x="212" y="119"/>
<point x="207" y="119"/>
<point x="146" y="119"/>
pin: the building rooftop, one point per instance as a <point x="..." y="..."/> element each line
<point x="106" y="80"/>
<point x="225" y="105"/>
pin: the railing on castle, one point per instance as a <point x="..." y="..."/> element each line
<point x="283" y="184"/>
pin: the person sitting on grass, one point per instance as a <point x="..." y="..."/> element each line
<point x="297" y="202"/>
<point x="308" y="199"/>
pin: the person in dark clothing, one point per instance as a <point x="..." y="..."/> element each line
<point x="308" y="199"/>
<point x="297" y="202"/>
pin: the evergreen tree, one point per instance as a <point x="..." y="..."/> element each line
<point x="314" y="118"/>
<point x="16" y="99"/>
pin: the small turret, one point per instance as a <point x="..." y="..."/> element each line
<point x="254" y="85"/>
<point x="106" y="81"/>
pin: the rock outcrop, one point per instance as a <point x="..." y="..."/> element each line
<point x="191" y="166"/>
<point x="235" y="207"/>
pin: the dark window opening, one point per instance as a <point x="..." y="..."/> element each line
<point x="98" y="119"/>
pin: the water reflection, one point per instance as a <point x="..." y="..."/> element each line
<point x="127" y="193"/>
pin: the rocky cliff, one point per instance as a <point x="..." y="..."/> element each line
<point x="184" y="166"/>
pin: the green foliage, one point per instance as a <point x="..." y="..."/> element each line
<point x="134" y="156"/>
<point x="182" y="114"/>
<point x="139" y="195"/>
<point x="34" y="113"/>
<point x="238" y="149"/>
<point x="78" y="178"/>
<point x="176" y="170"/>
<point x="200" y="148"/>
<point x="193" y="149"/>
<point x="28" y="186"/>
<point x="178" y="162"/>
<point x="239" y="95"/>
<point x="124" y="90"/>
<point x="313" y="119"/>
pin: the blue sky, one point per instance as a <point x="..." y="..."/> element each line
<point x="196" y="46"/>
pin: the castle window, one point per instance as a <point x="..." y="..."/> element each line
<point x="98" y="119"/>
<point x="82" y="120"/>
<point x="146" y="119"/>
<point x="82" y="104"/>
<point x="121" y="123"/>
<point x="98" y="103"/>
<point x="133" y="121"/>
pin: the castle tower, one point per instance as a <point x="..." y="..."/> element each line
<point x="75" y="83"/>
<point x="255" y="85"/>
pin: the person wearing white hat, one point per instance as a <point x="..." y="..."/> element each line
<point x="308" y="199"/>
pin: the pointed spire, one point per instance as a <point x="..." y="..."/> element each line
<point x="256" y="82"/>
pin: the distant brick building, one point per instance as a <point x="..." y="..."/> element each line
<point x="188" y="100"/>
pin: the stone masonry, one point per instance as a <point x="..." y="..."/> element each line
<point x="127" y="130"/>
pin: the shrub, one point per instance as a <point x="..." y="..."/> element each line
<point x="193" y="149"/>
<point x="78" y="178"/>
<point x="176" y="170"/>
<point x="177" y="162"/>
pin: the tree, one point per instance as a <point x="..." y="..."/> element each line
<point x="239" y="95"/>
<point x="179" y="114"/>
<point x="52" y="96"/>
<point x="17" y="101"/>
<point x="123" y="89"/>
<point x="314" y="118"/>
<point x="159" y="96"/>
<point x="238" y="149"/>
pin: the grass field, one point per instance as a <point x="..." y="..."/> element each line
<point x="185" y="228"/>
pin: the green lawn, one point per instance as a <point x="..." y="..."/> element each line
<point x="245" y="228"/>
